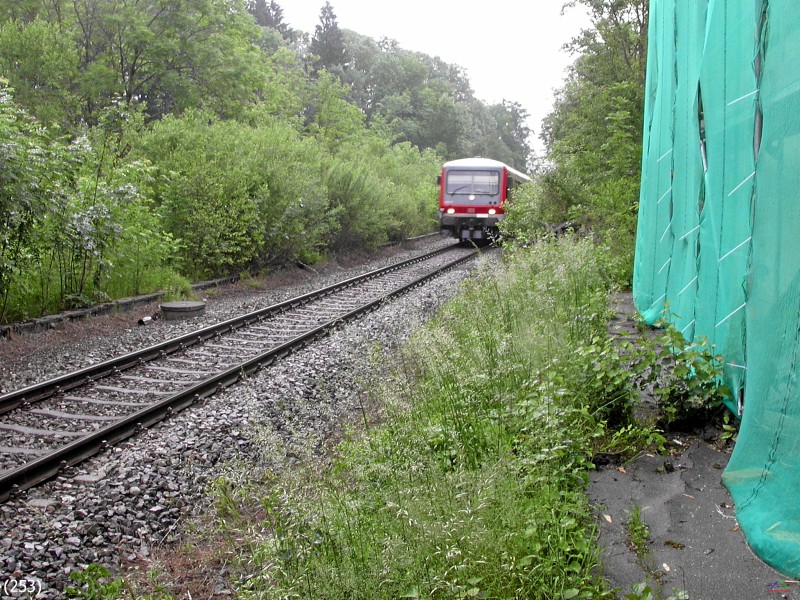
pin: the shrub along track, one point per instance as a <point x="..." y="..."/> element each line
<point x="58" y="423"/>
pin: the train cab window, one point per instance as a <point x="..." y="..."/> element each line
<point x="473" y="182"/>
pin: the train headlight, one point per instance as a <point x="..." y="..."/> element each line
<point x="451" y="211"/>
<point x="472" y="196"/>
<point x="492" y="211"/>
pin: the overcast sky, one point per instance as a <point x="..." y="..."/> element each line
<point x="510" y="49"/>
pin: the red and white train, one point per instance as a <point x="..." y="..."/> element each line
<point x="472" y="196"/>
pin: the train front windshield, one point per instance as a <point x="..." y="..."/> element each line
<point x="473" y="182"/>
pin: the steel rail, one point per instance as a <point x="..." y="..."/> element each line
<point x="62" y="383"/>
<point x="51" y="464"/>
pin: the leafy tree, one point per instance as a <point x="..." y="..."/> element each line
<point x="267" y="15"/>
<point x="430" y="103"/>
<point x="24" y="11"/>
<point x="332" y="119"/>
<point x="402" y="88"/>
<point x="619" y="35"/>
<point x="327" y="43"/>
<point x="513" y="131"/>
<point x="593" y="135"/>
<point x="41" y="66"/>
<point x="286" y="88"/>
<point x="499" y="131"/>
<point x="453" y="75"/>
<point x="167" y="54"/>
<point x="368" y="62"/>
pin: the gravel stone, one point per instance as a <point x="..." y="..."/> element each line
<point x="118" y="506"/>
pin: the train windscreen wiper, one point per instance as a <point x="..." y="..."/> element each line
<point x="458" y="189"/>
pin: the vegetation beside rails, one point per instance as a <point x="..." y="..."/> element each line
<point x="195" y="197"/>
<point x="474" y="485"/>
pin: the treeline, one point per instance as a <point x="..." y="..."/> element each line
<point x="146" y="143"/>
<point x="590" y="176"/>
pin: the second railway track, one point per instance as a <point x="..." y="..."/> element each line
<point x="60" y="422"/>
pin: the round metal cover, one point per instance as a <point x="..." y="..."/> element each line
<point x="182" y="309"/>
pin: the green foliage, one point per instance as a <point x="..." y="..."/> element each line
<point x="238" y="194"/>
<point x="626" y="441"/>
<point x="410" y="194"/>
<point x="355" y="192"/>
<point x="378" y="192"/>
<point x="285" y="87"/>
<point x="638" y="533"/>
<point x="593" y="135"/>
<point x="642" y="591"/>
<point x="101" y="234"/>
<point x="606" y="380"/>
<point x="24" y="190"/>
<point x="78" y="225"/>
<point x="170" y="55"/>
<point x="229" y="191"/>
<point x="536" y="212"/>
<point x="527" y="215"/>
<point x="104" y="215"/>
<point x="95" y="584"/>
<point x="270" y="16"/>
<point x="730" y="427"/>
<point x="687" y="383"/>
<point x="40" y="64"/>
<point x="333" y="120"/>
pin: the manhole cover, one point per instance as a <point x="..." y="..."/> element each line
<point x="183" y="309"/>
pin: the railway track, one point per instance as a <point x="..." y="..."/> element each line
<point x="47" y="427"/>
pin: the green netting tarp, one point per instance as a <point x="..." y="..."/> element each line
<point x="719" y="224"/>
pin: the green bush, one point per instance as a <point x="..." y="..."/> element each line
<point x="78" y="225"/>
<point x="234" y="194"/>
<point x="359" y="204"/>
<point x="25" y="188"/>
<point x="380" y="192"/>
<point x="412" y="192"/>
<point x="688" y="380"/>
<point x="124" y="209"/>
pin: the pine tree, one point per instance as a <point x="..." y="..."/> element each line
<point x="271" y="15"/>
<point x="328" y="42"/>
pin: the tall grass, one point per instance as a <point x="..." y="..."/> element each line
<point x="474" y="484"/>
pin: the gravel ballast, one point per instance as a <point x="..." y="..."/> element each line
<point x="133" y="498"/>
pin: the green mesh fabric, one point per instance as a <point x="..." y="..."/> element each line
<point x="717" y="245"/>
